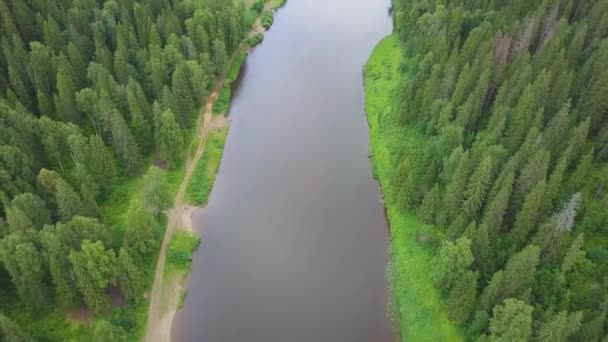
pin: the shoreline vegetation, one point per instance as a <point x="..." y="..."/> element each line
<point x="489" y="137"/>
<point x="183" y="242"/>
<point x="417" y="307"/>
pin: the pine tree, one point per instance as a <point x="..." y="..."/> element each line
<point x="455" y="190"/>
<point x="532" y="173"/>
<point x="155" y="191"/>
<point x="497" y="207"/>
<point x="511" y="321"/>
<point x="141" y="235"/>
<point x="56" y="252"/>
<point x="430" y="205"/>
<point x="11" y="331"/>
<point x="170" y="139"/>
<point x="94" y="268"/>
<point x="182" y="94"/>
<point x="124" y="143"/>
<point x="25" y="265"/>
<point x="560" y="327"/>
<point x="519" y="271"/>
<point x="66" y="91"/>
<point x="220" y="56"/>
<point x="68" y="201"/>
<point x="461" y="299"/>
<point x="451" y="263"/>
<point x="130" y="277"/>
<point x="478" y="186"/>
<point x="573" y="253"/>
<point x="34" y="208"/>
<point x="530" y="214"/>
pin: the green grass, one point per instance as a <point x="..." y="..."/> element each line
<point x="201" y="184"/>
<point x="222" y="103"/>
<point x="418" y="304"/>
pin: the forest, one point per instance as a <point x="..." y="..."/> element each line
<point x="95" y="94"/>
<point x="492" y="146"/>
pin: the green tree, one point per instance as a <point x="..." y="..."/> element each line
<point x="461" y="298"/>
<point x="130" y="277"/>
<point x="66" y="91"/>
<point x="124" y="143"/>
<point x="560" y="327"/>
<point x="497" y="207"/>
<point x="530" y="214"/>
<point x="68" y="201"/>
<point x="451" y="262"/>
<point x="104" y="331"/>
<point x="478" y="186"/>
<point x="25" y="265"/>
<point x="156" y="195"/>
<point x="56" y="252"/>
<point x="182" y="94"/>
<point x="220" y="56"/>
<point x="34" y="208"/>
<point x="428" y="211"/>
<point x="169" y="138"/>
<point x="455" y="190"/>
<point x="511" y="321"/>
<point x="10" y="331"/>
<point x="94" y="268"/>
<point x="141" y="235"/>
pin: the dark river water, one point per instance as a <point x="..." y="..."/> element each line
<point x="294" y="239"/>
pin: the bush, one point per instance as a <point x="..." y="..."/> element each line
<point x="258" y="6"/>
<point x="182" y="248"/>
<point x="255" y="39"/>
<point x="267" y="19"/>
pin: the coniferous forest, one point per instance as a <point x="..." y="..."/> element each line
<point x="92" y="93"/>
<point x="494" y="138"/>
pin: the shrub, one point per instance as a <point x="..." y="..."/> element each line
<point x="267" y="19"/>
<point x="182" y="248"/>
<point x="258" y="6"/>
<point x="255" y="39"/>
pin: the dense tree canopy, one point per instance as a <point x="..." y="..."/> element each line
<point x="91" y="93"/>
<point x="502" y="113"/>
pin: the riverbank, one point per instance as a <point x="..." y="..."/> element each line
<point x="168" y="290"/>
<point x="418" y="308"/>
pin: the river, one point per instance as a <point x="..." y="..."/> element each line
<point x="294" y="238"/>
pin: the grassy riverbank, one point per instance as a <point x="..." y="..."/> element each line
<point x="418" y="308"/>
<point x="201" y="184"/>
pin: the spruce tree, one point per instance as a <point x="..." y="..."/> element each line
<point x="511" y="321"/>
<point x="478" y="186"/>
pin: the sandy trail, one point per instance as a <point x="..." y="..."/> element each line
<point x="180" y="217"/>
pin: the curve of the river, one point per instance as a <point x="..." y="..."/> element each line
<point x="294" y="239"/>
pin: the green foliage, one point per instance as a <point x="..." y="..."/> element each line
<point x="258" y="6"/>
<point x="267" y="19"/>
<point x="94" y="269"/>
<point x="255" y="39"/>
<point x="420" y="313"/>
<point x="155" y="192"/>
<point x="201" y="184"/>
<point x="511" y="321"/>
<point x="181" y="250"/>
<point x="77" y="84"/>
<point x="222" y="103"/>
<point x="493" y="109"/>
